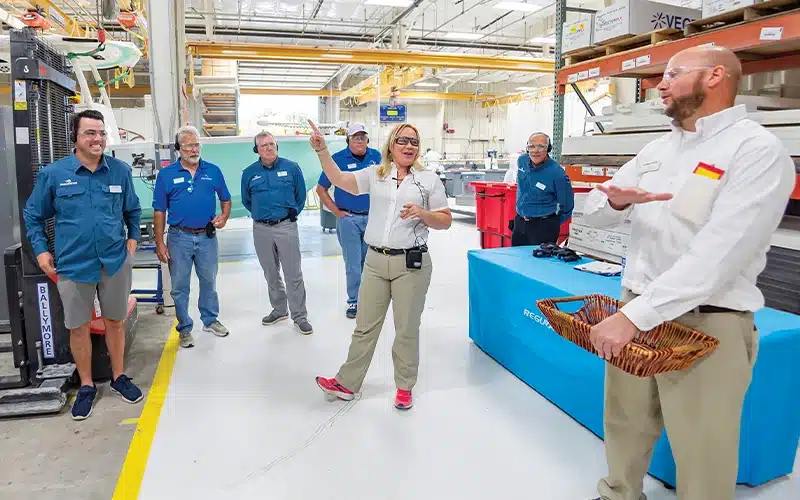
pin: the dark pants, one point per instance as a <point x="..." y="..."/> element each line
<point x="535" y="231"/>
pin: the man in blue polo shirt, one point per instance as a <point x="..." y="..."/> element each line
<point x="544" y="195"/>
<point x="351" y="210"/>
<point x="188" y="190"/>
<point x="97" y="215"/>
<point x="274" y="192"/>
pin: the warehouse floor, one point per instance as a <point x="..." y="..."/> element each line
<point x="242" y="416"/>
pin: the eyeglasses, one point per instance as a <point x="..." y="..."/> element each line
<point x="403" y="140"/>
<point x="194" y="145"/>
<point x="358" y="138"/>
<point x="94" y="133"/>
<point x="268" y="145"/>
<point x="538" y="147"/>
<point x="673" y="73"/>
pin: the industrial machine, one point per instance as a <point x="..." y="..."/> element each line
<point x="43" y="96"/>
<point x="593" y="159"/>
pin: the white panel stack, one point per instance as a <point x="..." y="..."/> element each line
<point x="610" y="243"/>
<point x="636" y="17"/>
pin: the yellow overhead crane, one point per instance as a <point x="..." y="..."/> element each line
<point x="378" y="57"/>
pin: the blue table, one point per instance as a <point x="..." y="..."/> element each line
<point x="504" y="285"/>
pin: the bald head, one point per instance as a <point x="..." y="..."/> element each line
<point x="718" y="59"/>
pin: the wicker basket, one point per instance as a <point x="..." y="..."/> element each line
<point x="670" y="346"/>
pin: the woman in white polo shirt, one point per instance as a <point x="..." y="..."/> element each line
<point x="405" y="201"/>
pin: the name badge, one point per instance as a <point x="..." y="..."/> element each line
<point x="283" y="174"/>
<point x="115" y="189"/>
<point x="650" y="166"/>
<point x="352" y="166"/>
<point x="540" y="186"/>
<point x="708" y="171"/>
<point x="178" y="180"/>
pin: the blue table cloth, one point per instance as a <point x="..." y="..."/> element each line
<point x="504" y="285"/>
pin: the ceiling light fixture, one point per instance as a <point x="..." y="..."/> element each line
<point x="526" y="89"/>
<point x="390" y="3"/>
<point x="463" y="36"/>
<point x="518" y="6"/>
<point x="426" y="84"/>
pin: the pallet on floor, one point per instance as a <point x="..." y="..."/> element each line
<point x="742" y="15"/>
<point x="622" y="43"/>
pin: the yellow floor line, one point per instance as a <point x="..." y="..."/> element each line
<point x="132" y="473"/>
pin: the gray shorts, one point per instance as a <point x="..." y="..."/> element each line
<point x="113" y="291"/>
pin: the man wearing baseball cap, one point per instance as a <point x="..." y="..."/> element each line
<point x="351" y="210"/>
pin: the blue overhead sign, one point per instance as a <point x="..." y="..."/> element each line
<point x="391" y="114"/>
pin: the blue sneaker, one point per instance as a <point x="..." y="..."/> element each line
<point x="84" y="403"/>
<point x="125" y="388"/>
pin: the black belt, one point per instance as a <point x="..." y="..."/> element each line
<point x="396" y="251"/>
<point x="543" y="217"/>
<point x="190" y="229"/>
<point x="272" y="222"/>
<point x="356" y="213"/>
<point x="715" y="309"/>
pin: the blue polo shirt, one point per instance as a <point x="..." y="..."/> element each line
<point x="269" y="192"/>
<point x="190" y="202"/>
<point x="543" y="190"/>
<point x="95" y="213"/>
<point x="349" y="163"/>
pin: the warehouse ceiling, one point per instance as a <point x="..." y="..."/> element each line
<point x="490" y="28"/>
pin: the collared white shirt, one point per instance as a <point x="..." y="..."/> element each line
<point x="731" y="181"/>
<point x="385" y="228"/>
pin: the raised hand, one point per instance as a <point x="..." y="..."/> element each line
<point x="317" y="139"/>
<point x="621" y="197"/>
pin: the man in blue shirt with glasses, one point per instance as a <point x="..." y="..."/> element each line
<point x="351" y="211"/>
<point x="274" y="192"/>
<point x="97" y="215"/>
<point x="544" y="195"/>
<point x="187" y="191"/>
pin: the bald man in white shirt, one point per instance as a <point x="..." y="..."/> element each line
<point x="703" y="201"/>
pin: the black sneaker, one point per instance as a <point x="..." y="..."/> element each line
<point x="352" y="311"/>
<point x="305" y="327"/>
<point x="84" y="403"/>
<point x="126" y="390"/>
<point x="273" y="318"/>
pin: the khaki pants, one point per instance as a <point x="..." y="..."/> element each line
<point x="701" y="408"/>
<point x="386" y="278"/>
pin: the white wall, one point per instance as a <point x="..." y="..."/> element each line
<point x="137" y="120"/>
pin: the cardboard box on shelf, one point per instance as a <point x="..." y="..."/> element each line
<point x="636" y="17"/>
<point x="713" y="8"/>
<point x="577" y="35"/>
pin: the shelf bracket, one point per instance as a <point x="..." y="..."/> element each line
<point x="587" y="106"/>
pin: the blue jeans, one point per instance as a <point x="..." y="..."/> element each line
<point x="186" y="249"/>
<point x="350" y="232"/>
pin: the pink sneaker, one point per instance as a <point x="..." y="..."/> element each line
<point x="334" y="388"/>
<point x="403" y="400"/>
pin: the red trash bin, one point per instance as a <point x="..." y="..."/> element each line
<point x="496" y="206"/>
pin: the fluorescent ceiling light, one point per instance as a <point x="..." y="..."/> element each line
<point x="426" y="84"/>
<point x="526" y="89"/>
<point x="544" y="39"/>
<point x="519" y="6"/>
<point x="463" y="36"/>
<point x="390" y="3"/>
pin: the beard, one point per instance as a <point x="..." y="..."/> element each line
<point x="685" y="106"/>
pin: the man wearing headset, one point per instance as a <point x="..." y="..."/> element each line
<point x="351" y="210"/>
<point x="188" y="189"/>
<point x="544" y="195"/>
<point x="97" y="214"/>
<point x="274" y="192"/>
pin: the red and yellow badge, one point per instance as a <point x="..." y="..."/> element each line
<point x="708" y="171"/>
